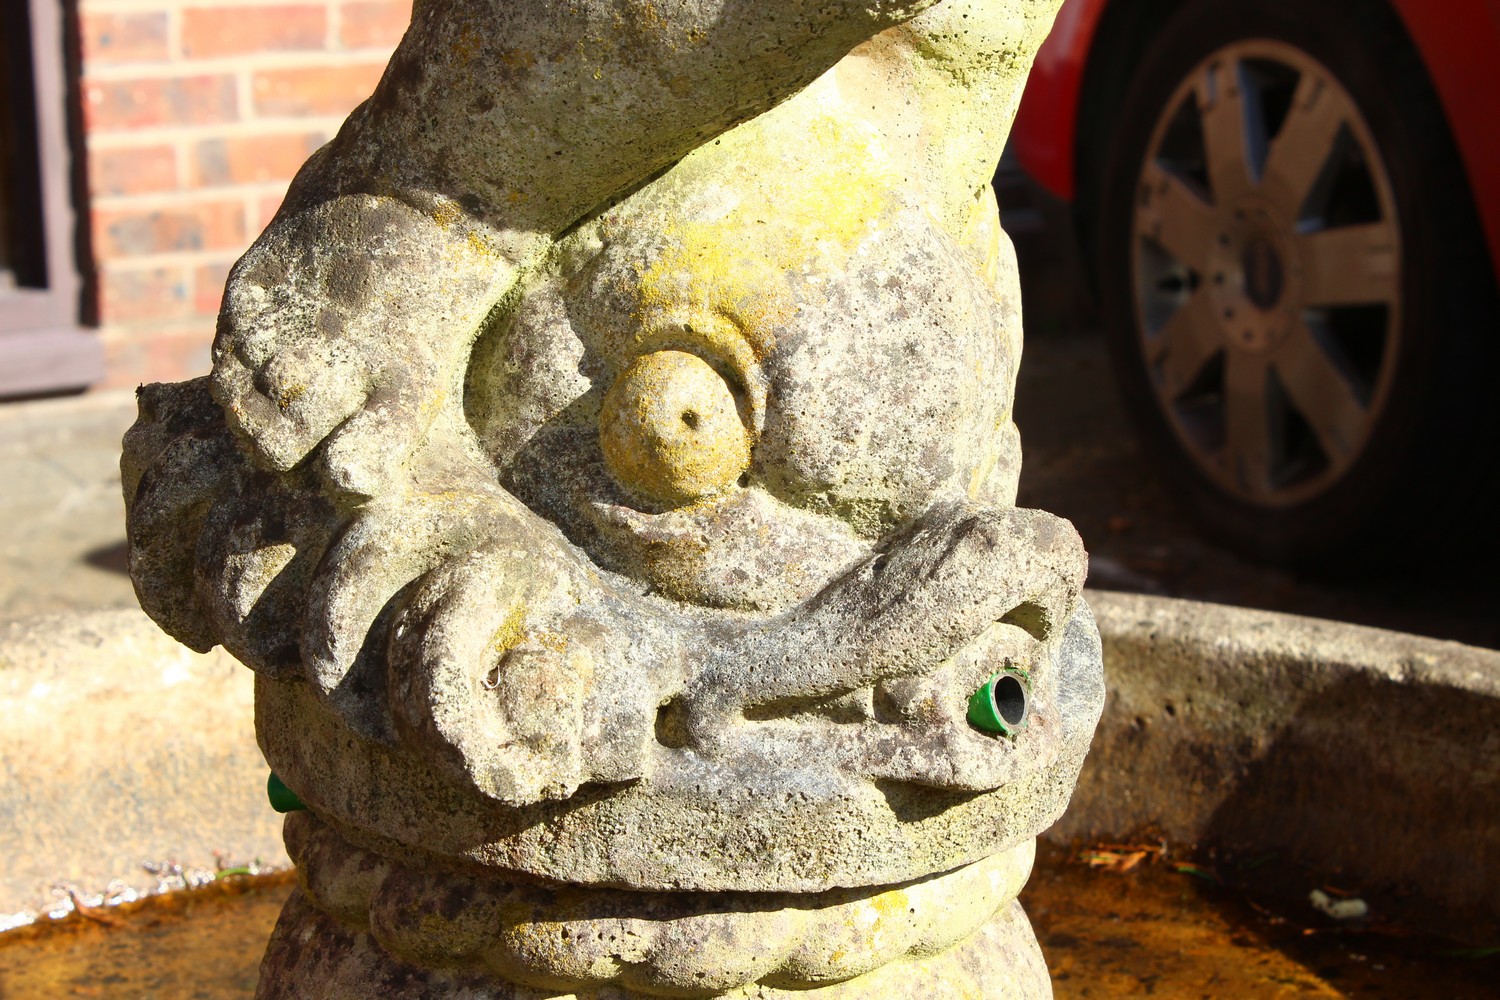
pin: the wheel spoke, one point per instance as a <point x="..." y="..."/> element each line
<point x="1322" y="393"/>
<point x="1247" y="421"/>
<point x="1174" y="216"/>
<point x="1301" y="150"/>
<point x="1232" y="145"/>
<point x="1351" y="265"/>
<point x="1185" y="343"/>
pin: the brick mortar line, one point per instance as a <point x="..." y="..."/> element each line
<point x="186" y="259"/>
<point x="251" y="215"/>
<point x="182" y="164"/>
<point x="174" y="40"/>
<point x="155" y="6"/>
<point x="179" y="324"/>
<point x="128" y="137"/>
<point x="140" y="332"/>
<point x="109" y="140"/>
<point x="244" y="93"/>
<point x="147" y="330"/>
<point x="228" y="65"/>
<point x="145" y="201"/>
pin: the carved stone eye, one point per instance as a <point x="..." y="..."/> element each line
<point x="671" y="431"/>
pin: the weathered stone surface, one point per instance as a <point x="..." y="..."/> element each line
<point x="313" y="957"/>
<point x="608" y="463"/>
<point x="767" y="809"/>
<point x="664" y="944"/>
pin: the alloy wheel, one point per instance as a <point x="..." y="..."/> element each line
<point x="1266" y="264"/>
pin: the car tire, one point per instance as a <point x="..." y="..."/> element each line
<point x="1298" y="302"/>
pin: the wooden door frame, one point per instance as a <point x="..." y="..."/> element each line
<point x="43" y="347"/>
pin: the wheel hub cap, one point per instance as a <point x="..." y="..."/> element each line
<point x="1255" y="278"/>
<point x="1263" y="274"/>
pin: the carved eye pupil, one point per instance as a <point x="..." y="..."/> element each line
<point x="671" y="430"/>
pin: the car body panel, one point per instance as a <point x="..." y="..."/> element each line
<point x="1458" y="41"/>
<point x="1043" y="137"/>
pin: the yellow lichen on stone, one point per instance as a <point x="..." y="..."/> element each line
<point x="446" y="213"/>
<point x="290" y="395"/>
<point x="470" y="43"/>
<point x="518" y="59"/>
<point x="511" y="631"/>
<point x="734" y="259"/>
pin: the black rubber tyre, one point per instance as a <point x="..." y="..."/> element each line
<point x="1322" y="491"/>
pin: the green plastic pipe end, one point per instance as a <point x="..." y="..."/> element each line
<point x="283" y="799"/>
<point x="1001" y="704"/>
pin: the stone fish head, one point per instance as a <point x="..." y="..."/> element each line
<point x="734" y="384"/>
<point x="708" y="537"/>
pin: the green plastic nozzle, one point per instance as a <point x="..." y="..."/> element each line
<point x="283" y="799"/>
<point x="1001" y="704"/>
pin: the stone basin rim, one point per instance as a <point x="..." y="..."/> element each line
<point x="93" y="658"/>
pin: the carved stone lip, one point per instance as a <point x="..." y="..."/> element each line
<point x="687" y="525"/>
<point x="699" y="520"/>
<point x="742" y="823"/>
<point x="700" y="945"/>
<point x="742" y="548"/>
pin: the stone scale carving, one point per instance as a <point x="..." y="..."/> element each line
<point x="608" y="470"/>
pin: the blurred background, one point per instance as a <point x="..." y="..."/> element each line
<point x="146" y="143"/>
<point x="1257" y="243"/>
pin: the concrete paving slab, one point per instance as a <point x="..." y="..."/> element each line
<point x="121" y="750"/>
<point x="62" y="521"/>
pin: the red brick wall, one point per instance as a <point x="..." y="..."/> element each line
<point x="196" y="114"/>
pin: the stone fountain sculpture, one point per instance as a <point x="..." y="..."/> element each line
<point x="608" y="470"/>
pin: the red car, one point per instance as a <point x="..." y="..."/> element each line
<point x="1291" y="211"/>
